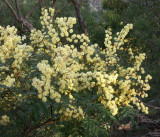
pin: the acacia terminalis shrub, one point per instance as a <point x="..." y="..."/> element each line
<point x="48" y="85"/>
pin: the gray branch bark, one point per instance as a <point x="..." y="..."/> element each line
<point x="54" y="4"/>
<point x="18" y="15"/>
<point x="82" y="23"/>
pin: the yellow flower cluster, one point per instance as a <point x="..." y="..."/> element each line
<point x="44" y="85"/>
<point x="70" y="113"/>
<point x="4" y="120"/>
<point x="8" y="81"/>
<point x="106" y="127"/>
<point x="12" y="53"/>
<point x="75" y="70"/>
<point x="72" y="70"/>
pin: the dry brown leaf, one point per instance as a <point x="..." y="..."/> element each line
<point x="125" y="126"/>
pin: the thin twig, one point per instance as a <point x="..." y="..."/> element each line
<point x="18" y="10"/>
